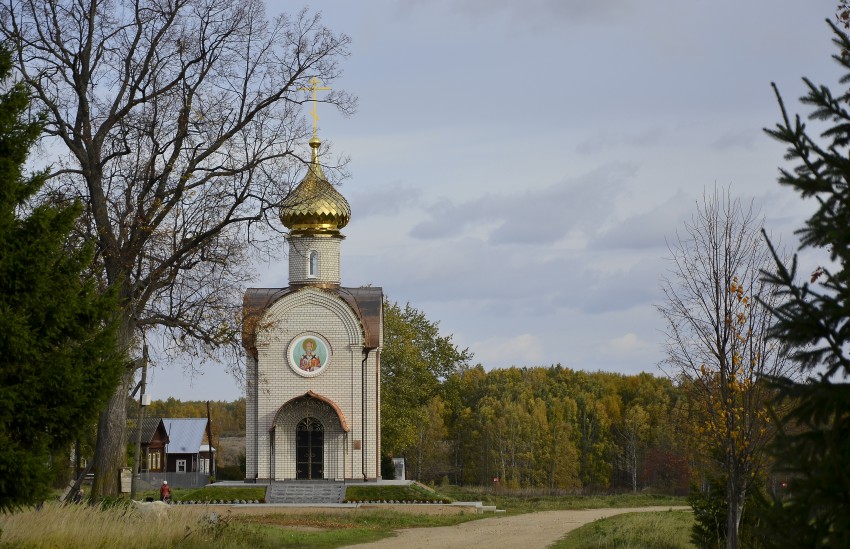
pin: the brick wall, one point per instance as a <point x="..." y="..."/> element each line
<point x="273" y="381"/>
<point x="327" y="247"/>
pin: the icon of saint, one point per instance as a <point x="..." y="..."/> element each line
<point x="309" y="360"/>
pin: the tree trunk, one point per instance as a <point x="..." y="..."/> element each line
<point x="111" y="447"/>
<point x="634" y="468"/>
<point x="110" y="451"/>
<point x="419" y="458"/>
<point x="734" y="510"/>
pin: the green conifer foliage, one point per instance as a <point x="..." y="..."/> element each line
<point x="814" y="447"/>
<point x="57" y="363"/>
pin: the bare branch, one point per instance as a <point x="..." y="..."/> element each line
<point x="182" y="124"/>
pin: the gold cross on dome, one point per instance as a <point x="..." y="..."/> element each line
<point x="314" y="87"/>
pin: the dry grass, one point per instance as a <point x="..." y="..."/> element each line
<point x="190" y="527"/>
<point x="72" y="526"/>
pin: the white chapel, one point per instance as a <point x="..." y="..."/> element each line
<point x="313" y="353"/>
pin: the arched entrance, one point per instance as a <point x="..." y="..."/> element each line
<point x="308" y="440"/>
<point x="309" y="449"/>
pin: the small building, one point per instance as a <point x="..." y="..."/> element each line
<point x="189" y="449"/>
<point x="313" y="353"/>
<point x="154" y="441"/>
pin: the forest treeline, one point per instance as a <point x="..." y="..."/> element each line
<point x="535" y="427"/>
<point x="553" y="428"/>
<point x="227" y="418"/>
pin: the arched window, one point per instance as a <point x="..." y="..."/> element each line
<point x="313" y="268"/>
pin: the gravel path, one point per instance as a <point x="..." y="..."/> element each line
<point x="527" y="531"/>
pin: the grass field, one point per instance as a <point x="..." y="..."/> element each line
<point x="519" y="501"/>
<point x="197" y="526"/>
<point x="119" y="525"/>
<point x="413" y="492"/>
<point x="665" y="530"/>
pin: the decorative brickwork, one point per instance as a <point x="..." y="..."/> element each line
<point x="343" y="393"/>
<point x="327" y="248"/>
<point x="286" y="421"/>
<point x="313" y="372"/>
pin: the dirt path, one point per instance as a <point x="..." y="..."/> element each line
<point x="528" y="531"/>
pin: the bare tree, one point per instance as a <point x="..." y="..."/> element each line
<point x="181" y="123"/>
<point x="717" y="322"/>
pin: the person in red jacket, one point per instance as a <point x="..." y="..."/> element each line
<point x="165" y="492"/>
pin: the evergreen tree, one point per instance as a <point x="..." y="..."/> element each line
<point x="814" y="323"/>
<point x="57" y="361"/>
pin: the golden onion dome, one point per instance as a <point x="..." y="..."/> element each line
<point x="315" y="206"/>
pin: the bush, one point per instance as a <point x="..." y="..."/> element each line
<point x="709" y="507"/>
<point x="387" y="467"/>
<point x="229" y="472"/>
<point x="232" y="472"/>
<point x="709" y="515"/>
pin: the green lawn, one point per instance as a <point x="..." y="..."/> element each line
<point x="357" y="493"/>
<point x="413" y="492"/>
<point x="663" y="530"/>
<point x="211" y="493"/>
<point x="519" y="502"/>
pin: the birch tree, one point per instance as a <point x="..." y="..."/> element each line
<point x="632" y="433"/>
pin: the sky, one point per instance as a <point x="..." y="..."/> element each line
<point x="517" y="169"/>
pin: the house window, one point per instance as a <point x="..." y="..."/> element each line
<point x="313" y="266"/>
<point x="205" y="466"/>
<point x="181" y="465"/>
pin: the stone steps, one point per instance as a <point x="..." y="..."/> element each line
<point x="302" y="492"/>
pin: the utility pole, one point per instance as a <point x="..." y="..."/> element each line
<point x="142" y="403"/>
<point x="211" y="467"/>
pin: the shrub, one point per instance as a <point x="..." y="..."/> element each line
<point x="387" y="467"/>
<point x="709" y="507"/>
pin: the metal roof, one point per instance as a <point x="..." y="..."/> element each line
<point x="185" y="435"/>
<point x="367" y="304"/>
<point x="149" y="427"/>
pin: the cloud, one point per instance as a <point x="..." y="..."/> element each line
<point x="603" y="291"/>
<point x="514" y="281"/>
<point x="740" y="139"/>
<point x="534" y="14"/>
<point x="536" y="216"/>
<point x="629" y="344"/>
<point x="520" y="350"/>
<point x="382" y="200"/>
<point x="649" y="229"/>
<point x="606" y="140"/>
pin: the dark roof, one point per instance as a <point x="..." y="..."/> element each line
<point x="149" y="426"/>
<point x="366" y="303"/>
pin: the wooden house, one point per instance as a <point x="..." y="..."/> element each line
<point x="189" y="449"/>
<point x="154" y="442"/>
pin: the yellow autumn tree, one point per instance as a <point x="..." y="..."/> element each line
<point x="717" y="314"/>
